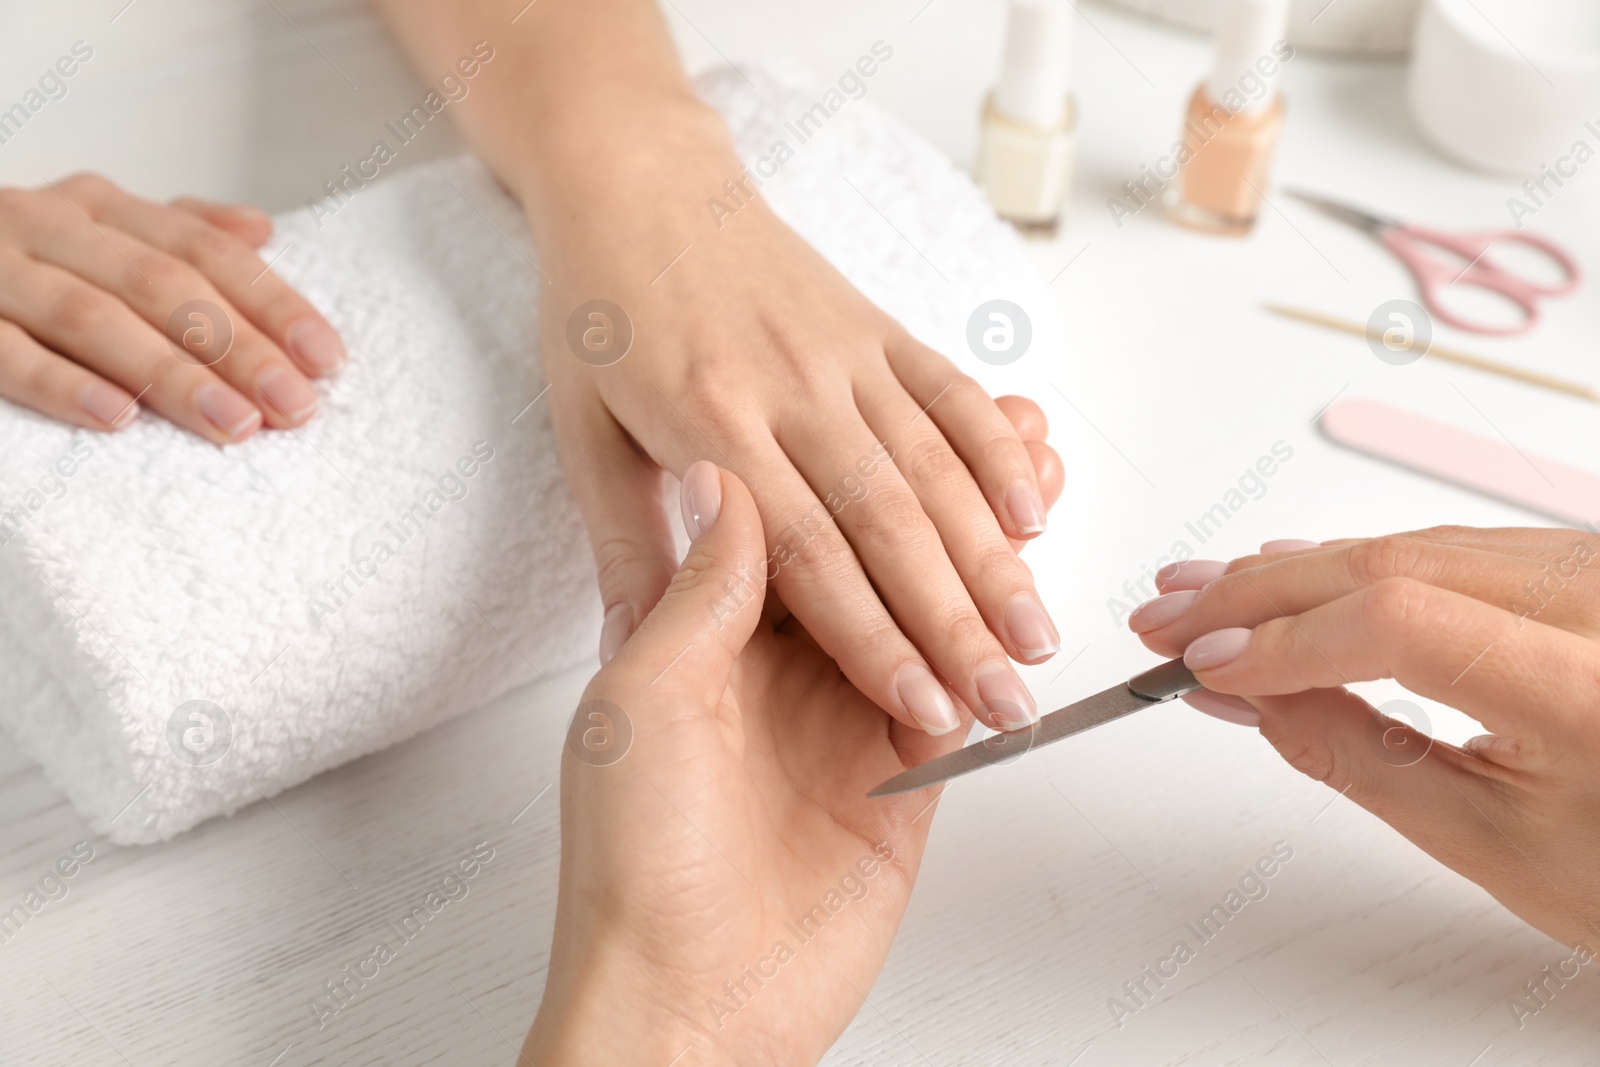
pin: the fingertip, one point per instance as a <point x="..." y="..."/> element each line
<point x="1288" y="544"/>
<point x="315" y="346"/>
<point x="107" y="405"/>
<point x="615" y="630"/>
<point x="1223" y="706"/>
<point x="1026" y="417"/>
<point x="700" y="497"/>
<point x="1048" y="468"/>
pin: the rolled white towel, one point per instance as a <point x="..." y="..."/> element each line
<point x="186" y="629"/>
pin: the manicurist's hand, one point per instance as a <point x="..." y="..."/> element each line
<point x="1503" y="624"/>
<point x="110" y="303"/>
<point x="887" y="481"/>
<point x="726" y="885"/>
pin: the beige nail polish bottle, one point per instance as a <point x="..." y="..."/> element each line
<point x="1231" y="129"/>
<point x="1029" y="122"/>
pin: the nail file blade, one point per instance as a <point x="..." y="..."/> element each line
<point x="1156" y="686"/>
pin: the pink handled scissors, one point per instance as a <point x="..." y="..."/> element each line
<point x="1434" y="272"/>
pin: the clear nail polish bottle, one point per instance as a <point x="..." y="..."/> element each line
<point x="1234" y="117"/>
<point x="1029" y="122"/>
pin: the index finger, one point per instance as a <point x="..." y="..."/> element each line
<point x="1519" y="678"/>
<point x="233" y="267"/>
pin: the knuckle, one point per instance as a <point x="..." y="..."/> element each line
<point x="86" y="183"/>
<point x="997" y="566"/>
<point x="964" y="389"/>
<point x="1394" y="606"/>
<point x="81" y="309"/>
<point x="15" y="201"/>
<point x="172" y="377"/>
<point x="207" y="247"/>
<point x="1312" y="758"/>
<point x="817" y="545"/>
<point x="164" y="273"/>
<point x="894" y="518"/>
<point x="933" y="464"/>
<point x="1449" y="532"/>
<point x="1393" y="556"/>
<point x="964" y="628"/>
<point x="618" y="562"/>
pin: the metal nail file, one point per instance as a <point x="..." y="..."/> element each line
<point x="1155" y="686"/>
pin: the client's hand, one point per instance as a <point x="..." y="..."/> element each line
<point x="1503" y="624"/>
<point x="887" y="480"/>
<point x="108" y="302"/>
<point x="726" y="885"/>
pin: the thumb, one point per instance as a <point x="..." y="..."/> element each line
<point x="1431" y="792"/>
<point x="618" y="489"/>
<point x="689" y="642"/>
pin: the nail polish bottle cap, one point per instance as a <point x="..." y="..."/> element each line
<point x="1033" y="74"/>
<point x="1245" y="64"/>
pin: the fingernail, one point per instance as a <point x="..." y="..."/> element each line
<point x="1030" y="628"/>
<point x="1288" y="544"/>
<point x="249" y="211"/>
<point x="314" y="342"/>
<point x="1216" y="649"/>
<point x="1154" y="614"/>
<point x="1003" y="695"/>
<point x="1027" y="510"/>
<point x="108" y="404"/>
<point x="227" y="410"/>
<point x="1190" y="574"/>
<point x="701" y="498"/>
<point x="922" y="695"/>
<point x="289" y="393"/>
<point x="614" y="631"/>
<point x="1222" y="706"/>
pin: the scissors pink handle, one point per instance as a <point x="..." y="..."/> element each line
<point x="1433" y="273"/>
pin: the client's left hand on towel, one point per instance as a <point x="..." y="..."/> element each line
<point x="714" y="820"/>
<point x="109" y="301"/>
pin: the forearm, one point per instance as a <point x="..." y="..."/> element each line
<point x="581" y="102"/>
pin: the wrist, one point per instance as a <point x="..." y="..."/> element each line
<point x="609" y="1009"/>
<point x="624" y="162"/>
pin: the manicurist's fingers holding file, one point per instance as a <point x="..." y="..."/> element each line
<point x="1502" y="624"/>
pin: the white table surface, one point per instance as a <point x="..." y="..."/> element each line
<point x="1046" y="885"/>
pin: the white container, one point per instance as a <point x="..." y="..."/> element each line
<point x="1507" y="86"/>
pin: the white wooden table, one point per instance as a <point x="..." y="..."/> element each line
<point x="1047" y="885"/>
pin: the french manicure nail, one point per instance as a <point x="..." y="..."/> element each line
<point x="701" y="497"/>
<point x="1190" y="574"/>
<point x="1216" y="649"/>
<point x="289" y="393"/>
<point x="1163" y="610"/>
<point x="314" y="342"/>
<point x="1027" y="510"/>
<point x="1030" y="628"/>
<point x="227" y="410"/>
<point x="1288" y="544"/>
<point x="614" y="631"/>
<point x="108" y="404"/>
<point x="1003" y="695"/>
<point x="922" y="695"/>
<point x="1224" y="706"/>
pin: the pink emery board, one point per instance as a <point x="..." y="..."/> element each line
<point x="1489" y="466"/>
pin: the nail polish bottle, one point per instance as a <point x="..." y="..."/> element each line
<point x="1233" y="122"/>
<point x="1029" y="121"/>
